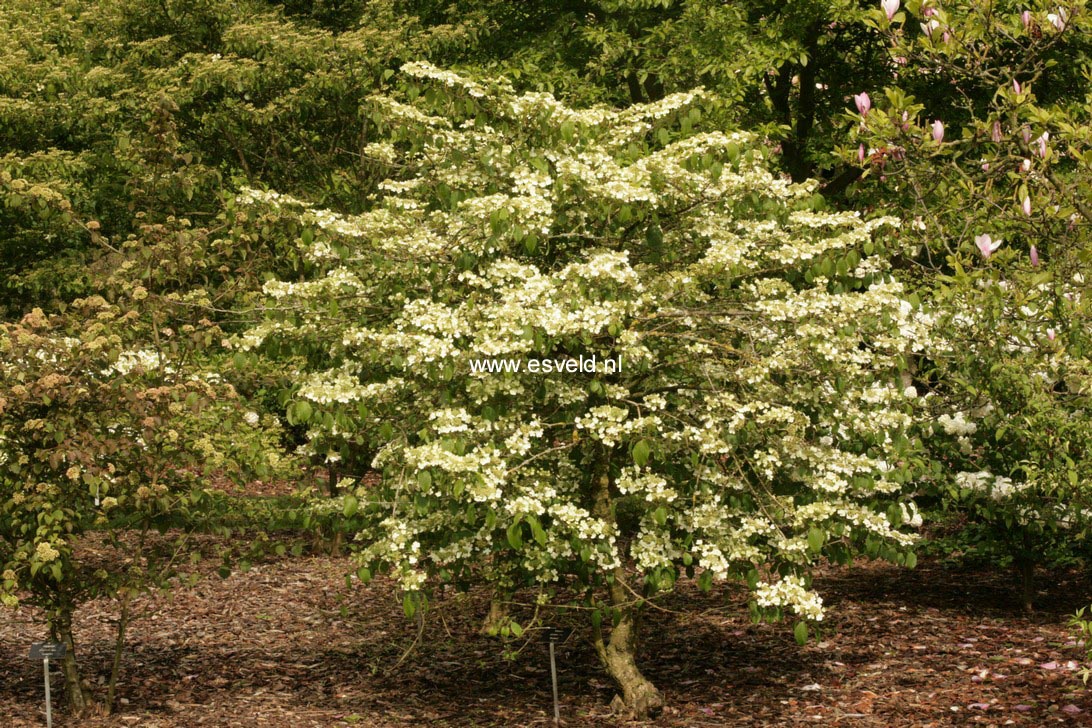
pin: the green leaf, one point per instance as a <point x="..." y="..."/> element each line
<point x="409" y="605"/>
<point x="641" y="452"/>
<point x="537" y="531"/>
<point x="424" y="479"/>
<point x="705" y="581"/>
<point x="800" y="632"/>
<point x="350" y="506"/>
<point x="515" y="536"/>
<point x="660" y="516"/>
<point x="816" y="538"/>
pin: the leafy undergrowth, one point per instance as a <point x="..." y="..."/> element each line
<point x="287" y="644"/>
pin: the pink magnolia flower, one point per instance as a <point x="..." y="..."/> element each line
<point x="1026" y="165"/>
<point x="1034" y="257"/>
<point x="1058" y="19"/>
<point x="864" y="104"/>
<point x="1042" y="143"/>
<point x="890" y="7"/>
<point x="861" y="154"/>
<point x="995" y="135"/>
<point x="985" y="166"/>
<point x="930" y="25"/>
<point x="1016" y="86"/>
<point x="1050" y="334"/>
<point x="1025" y="18"/>
<point x="946" y="37"/>
<point x="986" y="245"/>
<point x="1026" y="206"/>
<point x="1025" y="134"/>
<point x="938" y="131"/>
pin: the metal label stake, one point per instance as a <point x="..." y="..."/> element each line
<point x="553" y="679"/>
<point x="48" y="703"/>
<point x="45" y="651"/>
<point x="553" y="635"/>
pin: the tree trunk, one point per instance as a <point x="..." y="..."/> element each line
<point x="119" y="646"/>
<point x="498" y="612"/>
<point x="1026" y="566"/>
<point x="331" y="481"/>
<point x="79" y="700"/>
<point x="618" y="654"/>
<point x="639" y="696"/>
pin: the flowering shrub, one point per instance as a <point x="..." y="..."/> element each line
<point x="97" y="435"/>
<point x="1012" y="365"/>
<point x="992" y="166"/>
<point x="758" y="421"/>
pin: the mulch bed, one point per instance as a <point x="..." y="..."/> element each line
<point x="287" y="643"/>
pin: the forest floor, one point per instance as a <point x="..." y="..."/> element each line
<point x="288" y="643"/>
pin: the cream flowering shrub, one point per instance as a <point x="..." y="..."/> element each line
<point x="758" y="419"/>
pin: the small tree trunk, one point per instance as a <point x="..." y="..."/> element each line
<point x="1026" y="563"/>
<point x="619" y="654"/>
<point x="498" y="612"/>
<point x="119" y="645"/>
<point x="331" y="481"/>
<point x="1027" y="584"/>
<point x="79" y="700"/>
<point x="1028" y="577"/>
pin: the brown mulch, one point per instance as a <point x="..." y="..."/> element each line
<point x="287" y="643"/>
<point x="311" y="480"/>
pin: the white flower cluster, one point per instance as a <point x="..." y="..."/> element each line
<point x="604" y="423"/>
<point x="651" y="486"/>
<point x="957" y="424"/>
<point x="343" y="387"/>
<point x="998" y="487"/>
<point x="790" y="592"/>
<point x="144" y="360"/>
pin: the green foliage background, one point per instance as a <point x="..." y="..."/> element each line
<point x="128" y="128"/>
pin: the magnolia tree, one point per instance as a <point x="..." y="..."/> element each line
<point x="992" y="169"/>
<point x="597" y="350"/>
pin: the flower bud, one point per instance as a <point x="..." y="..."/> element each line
<point x="864" y="104"/>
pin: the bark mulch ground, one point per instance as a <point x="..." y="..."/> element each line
<point x="287" y="643"/>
